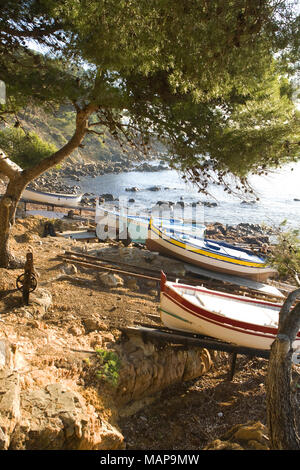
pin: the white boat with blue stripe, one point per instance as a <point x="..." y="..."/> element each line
<point x="209" y="254"/>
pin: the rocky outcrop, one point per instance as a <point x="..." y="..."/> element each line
<point x="56" y="417"/>
<point x="46" y="380"/>
<point x="38" y="415"/>
<point x="147" y="369"/>
<point x="249" y="436"/>
<point x="10" y="413"/>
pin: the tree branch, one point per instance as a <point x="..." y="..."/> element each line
<point x="75" y="141"/>
<point x="8" y="167"/>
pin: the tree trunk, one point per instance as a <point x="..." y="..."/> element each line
<point x="8" y="205"/>
<point x="19" y="179"/>
<point x="280" y="411"/>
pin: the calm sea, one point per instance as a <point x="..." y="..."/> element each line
<point x="276" y="191"/>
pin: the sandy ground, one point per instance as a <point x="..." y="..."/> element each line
<point x="186" y="416"/>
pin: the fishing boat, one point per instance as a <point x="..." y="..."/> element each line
<point x="70" y="200"/>
<point x="137" y="225"/>
<point x="240" y="320"/>
<point x="209" y="254"/>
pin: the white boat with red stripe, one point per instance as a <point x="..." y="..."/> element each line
<point x="240" y="320"/>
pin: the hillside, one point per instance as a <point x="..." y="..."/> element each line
<point x="57" y="126"/>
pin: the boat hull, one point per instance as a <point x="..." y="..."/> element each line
<point x="164" y="245"/>
<point x="52" y="198"/>
<point x="137" y="226"/>
<point x="179" y="314"/>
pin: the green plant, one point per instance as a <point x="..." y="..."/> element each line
<point x="285" y="255"/>
<point x="110" y="365"/>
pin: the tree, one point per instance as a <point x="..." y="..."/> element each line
<point x="199" y="76"/>
<point x="281" y="417"/>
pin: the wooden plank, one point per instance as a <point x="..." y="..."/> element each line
<point x="192" y="340"/>
<point x="106" y="268"/>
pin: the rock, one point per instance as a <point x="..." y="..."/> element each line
<point x="133" y="189"/>
<point x="41" y="297"/>
<point x="76" y="330"/>
<point x="209" y="204"/>
<point x="147" y="369"/>
<point x="93" y="324"/>
<point x="110" y="280"/>
<point x="249" y="436"/>
<point x="58" y="418"/>
<point x="154" y="188"/>
<point x="132" y="284"/>
<point x="69" y="268"/>
<point x="9" y="406"/>
<point x="248" y="202"/>
<point x="107" y="197"/>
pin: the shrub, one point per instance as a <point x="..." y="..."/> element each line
<point x="110" y="365"/>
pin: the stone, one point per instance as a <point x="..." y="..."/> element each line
<point x="154" y="188"/>
<point x="107" y="197"/>
<point x="132" y="190"/>
<point x="58" y="418"/>
<point x="132" y="284"/>
<point x="7" y="354"/>
<point x="93" y="324"/>
<point x="9" y="406"/>
<point x="111" y="280"/>
<point x="69" y="268"/>
<point x="249" y="436"/>
<point x="147" y="370"/>
<point x="42" y="298"/>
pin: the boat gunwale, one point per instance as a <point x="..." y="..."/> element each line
<point x="43" y="193"/>
<point x="213" y="317"/>
<point x="230" y="259"/>
<point x="147" y="219"/>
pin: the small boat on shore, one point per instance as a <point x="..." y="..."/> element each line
<point x="137" y="225"/>
<point x="240" y="320"/>
<point x="209" y="254"/>
<point x="70" y="200"/>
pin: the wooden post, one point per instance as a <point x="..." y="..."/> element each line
<point x="28" y="271"/>
<point x="27" y="282"/>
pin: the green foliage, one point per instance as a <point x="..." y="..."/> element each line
<point x="25" y="149"/>
<point x="110" y="365"/>
<point x="285" y="254"/>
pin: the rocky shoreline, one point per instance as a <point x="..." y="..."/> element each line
<point x="55" y="179"/>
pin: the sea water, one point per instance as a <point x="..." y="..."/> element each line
<point x="277" y="192"/>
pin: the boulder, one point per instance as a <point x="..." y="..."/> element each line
<point x="132" y="190"/>
<point x="9" y="406"/>
<point x="108" y="279"/>
<point x="42" y="299"/>
<point x="58" y="418"/>
<point x="107" y="197"/>
<point x="148" y="369"/>
<point x="249" y="436"/>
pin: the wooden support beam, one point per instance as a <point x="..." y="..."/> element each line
<point x="106" y="268"/>
<point x="194" y="340"/>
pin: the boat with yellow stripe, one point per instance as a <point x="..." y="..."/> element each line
<point x="209" y="254"/>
